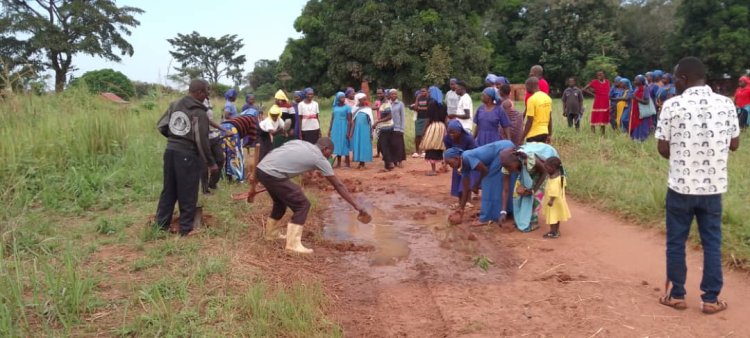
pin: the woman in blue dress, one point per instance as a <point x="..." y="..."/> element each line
<point x="528" y="161"/>
<point x="491" y="120"/>
<point x="341" y="123"/>
<point x="495" y="187"/>
<point x="361" y="134"/>
<point x="458" y="137"/>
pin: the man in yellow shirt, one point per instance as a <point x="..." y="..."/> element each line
<point x="538" y="114"/>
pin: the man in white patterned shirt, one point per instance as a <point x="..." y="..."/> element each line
<point x="696" y="131"/>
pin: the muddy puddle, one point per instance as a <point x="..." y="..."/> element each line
<point x="400" y="225"/>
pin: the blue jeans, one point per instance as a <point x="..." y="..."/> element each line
<point x="680" y="212"/>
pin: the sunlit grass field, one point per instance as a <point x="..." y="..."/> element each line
<point x="81" y="176"/>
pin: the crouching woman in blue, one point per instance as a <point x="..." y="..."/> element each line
<point x="495" y="187"/>
<point x="528" y="161"/>
<point x="458" y="137"/>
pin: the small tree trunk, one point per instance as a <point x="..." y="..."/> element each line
<point x="59" y="80"/>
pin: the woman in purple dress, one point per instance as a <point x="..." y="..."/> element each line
<point x="491" y="120"/>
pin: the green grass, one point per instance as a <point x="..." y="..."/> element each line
<point x="629" y="178"/>
<point x="79" y="258"/>
<point x="81" y="180"/>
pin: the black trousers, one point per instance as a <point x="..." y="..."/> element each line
<point x="182" y="172"/>
<point x="285" y="194"/>
<point x="311" y="136"/>
<point x="208" y="179"/>
<point x="539" y="138"/>
<point x="387" y="148"/>
<point x="399" y="148"/>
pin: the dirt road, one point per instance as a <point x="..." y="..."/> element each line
<point x="600" y="279"/>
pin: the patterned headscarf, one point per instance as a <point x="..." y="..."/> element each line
<point x="299" y="94"/>
<point x="501" y="80"/>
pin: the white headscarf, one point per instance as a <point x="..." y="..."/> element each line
<point x="365" y="110"/>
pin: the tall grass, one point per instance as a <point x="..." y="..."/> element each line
<point x="629" y="178"/>
<point x="75" y="151"/>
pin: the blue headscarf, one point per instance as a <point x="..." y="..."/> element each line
<point x="490" y="79"/>
<point x="501" y="80"/>
<point x="455" y="125"/>
<point x="452" y="153"/>
<point x="349" y="90"/>
<point x="416" y="94"/>
<point x="641" y="78"/>
<point x="299" y="93"/>
<point x="618" y="78"/>
<point x="492" y="93"/>
<point x="657" y="74"/>
<point x="627" y="83"/>
<point x="309" y="90"/>
<point x="453" y="80"/>
<point x="668" y="77"/>
<point x="436" y="95"/>
<point x="338" y="97"/>
<point x="230" y="94"/>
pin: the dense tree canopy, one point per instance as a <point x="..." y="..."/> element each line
<point x="61" y="29"/>
<point x="208" y="57"/>
<point x="407" y="44"/>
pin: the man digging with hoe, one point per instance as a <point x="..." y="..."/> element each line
<point x="275" y="172"/>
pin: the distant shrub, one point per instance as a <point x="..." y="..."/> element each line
<point x="265" y="92"/>
<point x="219" y="89"/>
<point x="107" y="80"/>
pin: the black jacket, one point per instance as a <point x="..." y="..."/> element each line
<point x="188" y="128"/>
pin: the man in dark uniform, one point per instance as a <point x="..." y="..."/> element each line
<point x="185" y="124"/>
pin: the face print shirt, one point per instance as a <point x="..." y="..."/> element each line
<point x="698" y="124"/>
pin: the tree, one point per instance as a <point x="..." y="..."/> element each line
<point x="387" y="43"/>
<point x="565" y="34"/>
<point x="644" y="27"/>
<point x="18" y="65"/>
<point x="215" y="58"/>
<point x="438" y="67"/>
<point x="264" y="71"/>
<point x="718" y="32"/>
<point x="107" y="80"/>
<point x="61" y="29"/>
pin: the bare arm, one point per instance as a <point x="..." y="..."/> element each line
<point x="341" y="189"/>
<point x="465" y="115"/>
<point x="483" y="171"/>
<point x="549" y="135"/>
<point x="217" y="126"/>
<point x="734" y="144"/>
<point x="527" y="128"/>
<point x="504" y="200"/>
<point x="505" y="133"/>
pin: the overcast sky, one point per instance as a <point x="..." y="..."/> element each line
<point x="263" y="25"/>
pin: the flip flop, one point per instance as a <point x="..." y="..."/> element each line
<point x="677" y="304"/>
<point x="711" y="308"/>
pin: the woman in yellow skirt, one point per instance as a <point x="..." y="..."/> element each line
<point x="555" y="205"/>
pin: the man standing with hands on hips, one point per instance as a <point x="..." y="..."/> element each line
<point x="185" y="124"/>
<point x="696" y="131"/>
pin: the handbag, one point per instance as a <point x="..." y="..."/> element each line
<point x="646" y="110"/>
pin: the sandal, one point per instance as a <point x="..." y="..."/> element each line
<point x="677" y="304"/>
<point x="711" y="308"/>
<point x="552" y="235"/>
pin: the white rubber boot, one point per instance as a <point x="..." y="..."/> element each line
<point x="272" y="230"/>
<point x="294" y="239"/>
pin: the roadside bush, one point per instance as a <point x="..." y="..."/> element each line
<point x="107" y="80"/>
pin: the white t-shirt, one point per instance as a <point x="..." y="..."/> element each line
<point x="451" y="101"/>
<point x="308" y="112"/>
<point x="699" y="125"/>
<point x="465" y="103"/>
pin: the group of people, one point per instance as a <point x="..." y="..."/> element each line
<point x="625" y="106"/>
<point x="502" y="154"/>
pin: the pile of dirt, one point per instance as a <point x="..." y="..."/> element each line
<point x="347" y="246"/>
